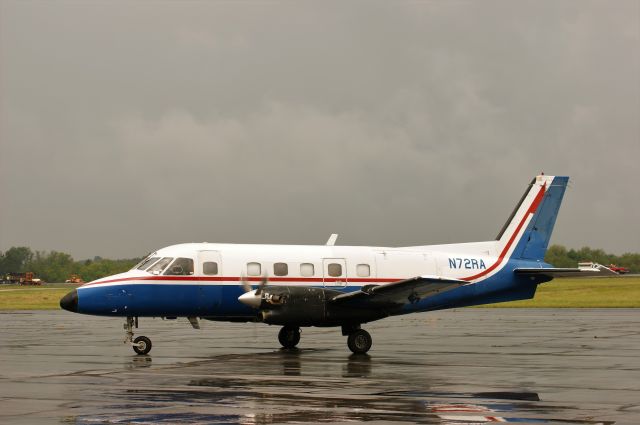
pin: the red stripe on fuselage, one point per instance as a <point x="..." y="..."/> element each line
<point x="240" y="279"/>
<point x="532" y="209"/>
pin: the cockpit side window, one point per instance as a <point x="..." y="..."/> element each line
<point x="180" y="267"/>
<point x="160" y="265"/>
<point x="147" y="263"/>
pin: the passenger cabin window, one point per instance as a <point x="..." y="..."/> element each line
<point x="335" y="270"/>
<point x="363" y="270"/>
<point x="254" y="269"/>
<point x="306" y="270"/>
<point x="158" y="267"/>
<point x="147" y="263"/>
<point x="280" y="269"/>
<point x="180" y="267"/>
<point x="209" y="268"/>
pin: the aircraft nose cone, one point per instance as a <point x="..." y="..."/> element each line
<point x="70" y="301"/>
<point x="251" y="299"/>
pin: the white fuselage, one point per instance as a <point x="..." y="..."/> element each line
<point x="311" y="264"/>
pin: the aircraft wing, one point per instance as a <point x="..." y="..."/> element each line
<point x="590" y="271"/>
<point x="399" y="293"/>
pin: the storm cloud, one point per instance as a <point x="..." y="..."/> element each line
<point x="126" y="127"/>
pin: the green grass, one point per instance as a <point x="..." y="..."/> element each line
<point x="44" y="297"/>
<point x="610" y="292"/>
<point x="559" y="293"/>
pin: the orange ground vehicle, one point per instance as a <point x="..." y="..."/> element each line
<point x="74" y="279"/>
<point x="28" y="279"/>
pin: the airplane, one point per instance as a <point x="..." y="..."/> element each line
<point x="296" y="286"/>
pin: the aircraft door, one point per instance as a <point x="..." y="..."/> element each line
<point x="334" y="272"/>
<point x="209" y="268"/>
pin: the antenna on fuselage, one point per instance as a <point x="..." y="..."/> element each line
<point x="332" y="239"/>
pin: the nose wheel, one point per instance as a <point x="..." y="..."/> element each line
<point x="141" y="345"/>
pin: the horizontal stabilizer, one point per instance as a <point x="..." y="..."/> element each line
<point x="590" y="271"/>
<point x="400" y="292"/>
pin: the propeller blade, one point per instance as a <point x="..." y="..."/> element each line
<point x="263" y="283"/>
<point x="245" y="284"/>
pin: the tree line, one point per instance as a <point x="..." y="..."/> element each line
<point x="54" y="266"/>
<point x="560" y="256"/>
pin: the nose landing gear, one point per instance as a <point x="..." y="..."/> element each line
<point x="141" y="345"/>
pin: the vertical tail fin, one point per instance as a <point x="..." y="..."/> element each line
<point x="527" y="233"/>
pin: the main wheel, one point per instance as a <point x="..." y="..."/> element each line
<point x="289" y="336"/>
<point x="359" y="341"/>
<point x="142" y="345"/>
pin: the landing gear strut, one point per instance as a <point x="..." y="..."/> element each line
<point x="359" y="341"/>
<point x="141" y="345"/>
<point x="289" y="336"/>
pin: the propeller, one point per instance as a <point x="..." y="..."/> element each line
<point x="252" y="297"/>
<point x="247" y="286"/>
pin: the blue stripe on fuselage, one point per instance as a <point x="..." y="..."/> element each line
<point x="156" y="300"/>
<point x="148" y="299"/>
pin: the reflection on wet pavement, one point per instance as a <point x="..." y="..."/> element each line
<point x="466" y="367"/>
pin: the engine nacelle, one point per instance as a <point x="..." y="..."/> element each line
<point x="302" y="306"/>
<point x="306" y="306"/>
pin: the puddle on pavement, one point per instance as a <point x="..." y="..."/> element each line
<point x="288" y="387"/>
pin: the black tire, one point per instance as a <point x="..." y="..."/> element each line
<point x="289" y="336"/>
<point x="142" y="345"/>
<point x="359" y="341"/>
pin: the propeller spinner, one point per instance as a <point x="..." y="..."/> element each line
<point x="252" y="297"/>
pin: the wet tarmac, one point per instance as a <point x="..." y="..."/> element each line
<point x="469" y="366"/>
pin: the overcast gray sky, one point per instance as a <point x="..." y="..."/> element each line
<point x="126" y="127"/>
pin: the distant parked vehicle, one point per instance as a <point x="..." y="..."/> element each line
<point x="74" y="279"/>
<point x="21" y="278"/>
<point x="30" y="280"/>
<point x="618" y="269"/>
<point x="612" y="267"/>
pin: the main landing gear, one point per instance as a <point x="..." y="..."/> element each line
<point x="359" y="341"/>
<point x="141" y="345"/>
<point x="289" y="336"/>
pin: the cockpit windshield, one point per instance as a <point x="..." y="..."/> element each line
<point x="147" y="263"/>
<point x="180" y="267"/>
<point x="158" y="267"/>
<point x="144" y="260"/>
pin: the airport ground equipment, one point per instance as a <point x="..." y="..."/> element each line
<point x="26" y="278"/>
<point x="74" y="278"/>
<point x="618" y="269"/>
